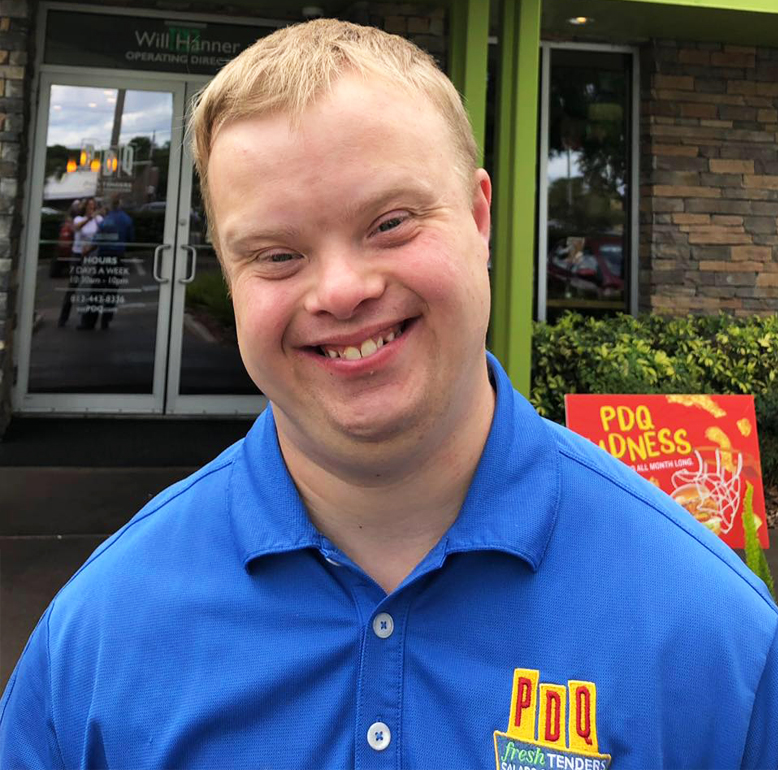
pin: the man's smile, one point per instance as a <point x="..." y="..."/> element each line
<point x="365" y="347"/>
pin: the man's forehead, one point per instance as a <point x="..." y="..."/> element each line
<point x="371" y="96"/>
<point x="329" y="134"/>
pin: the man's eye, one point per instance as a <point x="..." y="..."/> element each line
<point x="280" y="257"/>
<point x="390" y="224"/>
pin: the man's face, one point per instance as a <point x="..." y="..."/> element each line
<point x="356" y="257"/>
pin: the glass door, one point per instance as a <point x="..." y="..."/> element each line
<point x="97" y="292"/>
<point x="124" y="306"/>
<point x="206" y="374"/>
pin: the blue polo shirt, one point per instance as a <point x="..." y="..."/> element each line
<point x="571" y="618"/>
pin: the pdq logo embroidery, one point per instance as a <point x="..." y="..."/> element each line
<point x="554" y="729"/>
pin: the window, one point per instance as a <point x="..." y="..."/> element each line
<point x="586" y="234"/>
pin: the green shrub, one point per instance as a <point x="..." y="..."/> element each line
<point x="209" y="294"/>
<point x="653" y="354"/>
<point x="767" y="423"/>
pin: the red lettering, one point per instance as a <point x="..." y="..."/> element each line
<point x="583" y="720"/>
<point x="553" y="715"/>
<point x="523" y="698"/>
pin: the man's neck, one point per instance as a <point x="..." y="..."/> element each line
<point x="386" y="516"/>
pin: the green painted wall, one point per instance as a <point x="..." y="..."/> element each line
<point x="513" y="254"/>
<point x="469" y="51"/>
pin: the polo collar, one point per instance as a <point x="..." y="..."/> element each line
<point x="512" y="502"/>
<point x="511" y="505"/>
<point x="266" y="511"/>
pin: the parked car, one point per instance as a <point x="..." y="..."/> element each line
<point x="591" y="266"/>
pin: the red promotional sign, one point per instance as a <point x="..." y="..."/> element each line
<point x="701" y="450"/>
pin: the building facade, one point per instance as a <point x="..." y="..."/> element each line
<point x="632" y="145"/>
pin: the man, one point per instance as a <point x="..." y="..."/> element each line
<point x="402" y="565"/>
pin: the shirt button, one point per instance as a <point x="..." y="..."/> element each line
<point x="332" y="561"/>
<point x="379" y="736"/>
<point x="383" y="625"/>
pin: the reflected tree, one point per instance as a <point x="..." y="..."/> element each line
<point x="57" y="156"/>
<point x="587" y="125"/>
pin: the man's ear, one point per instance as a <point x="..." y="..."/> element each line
<point x="482" y="199"/>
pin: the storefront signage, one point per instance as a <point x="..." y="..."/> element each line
<point x="702" y="450"/>
<point x="138" y="43"/>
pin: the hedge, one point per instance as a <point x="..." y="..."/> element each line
<point x="654" y="354"/>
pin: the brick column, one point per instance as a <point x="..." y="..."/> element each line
<point x="15" y="52"/>
<point x="709" y="240"/>
<point x="425" y="25"/>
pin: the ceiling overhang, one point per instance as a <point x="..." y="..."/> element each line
<point x="736" y="22"/>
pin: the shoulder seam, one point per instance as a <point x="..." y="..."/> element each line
<point x="51" y="693"/>
<point x="581" y="461"/>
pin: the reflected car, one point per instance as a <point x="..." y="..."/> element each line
<point x="154" y="206"/>
<point x="590" y="267"/>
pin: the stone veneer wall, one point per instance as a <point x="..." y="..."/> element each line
<point x="709" y="194"/>
<point x="15" y="50"/>
<point x="424" y="24"/>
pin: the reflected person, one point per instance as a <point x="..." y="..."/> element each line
<point x="116" y="232"/>
<point x="85" y="227"/>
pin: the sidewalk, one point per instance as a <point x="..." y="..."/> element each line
<point x="65" y="485"/>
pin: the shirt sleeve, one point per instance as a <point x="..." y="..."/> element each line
<point x="28" y="736"/>
<point x="761" y="751"/>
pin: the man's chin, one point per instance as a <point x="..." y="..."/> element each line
<point x="361" y="437"/>
<point x="374" y="428"/>
<point x="369" y="425"/>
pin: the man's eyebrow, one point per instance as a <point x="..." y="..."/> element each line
<point x="240" y="241"/>
<point x="413" y="193"/>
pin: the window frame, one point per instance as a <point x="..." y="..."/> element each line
<point x="541" y="261"/>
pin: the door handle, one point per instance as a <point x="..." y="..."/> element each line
<point x="157" y="259"/>
<point x="193" y="251"/>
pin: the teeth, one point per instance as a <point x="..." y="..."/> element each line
<point x="367" y="348"/>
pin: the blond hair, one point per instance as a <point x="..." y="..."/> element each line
<point x="287" y="71"/>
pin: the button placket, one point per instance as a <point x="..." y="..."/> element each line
<point x="379" y="694"/>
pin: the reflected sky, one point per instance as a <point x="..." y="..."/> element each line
<point x="80" y="114"/>
<point x="564" y="166"/>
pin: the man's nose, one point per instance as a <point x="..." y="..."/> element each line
<point x="343" y="282"/>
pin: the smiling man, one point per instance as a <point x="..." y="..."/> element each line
<point x="358" y="274"/>
<point x="402" y="565"/>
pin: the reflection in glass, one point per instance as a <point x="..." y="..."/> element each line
<point x="102" y="215"/>
<point x="588" y="195"/>
<point x="210" y="359"/>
